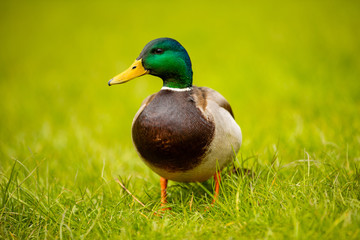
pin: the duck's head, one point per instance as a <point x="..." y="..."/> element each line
<point x="162" y="57"/>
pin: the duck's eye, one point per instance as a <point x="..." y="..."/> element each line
<point x="158" y="51"/>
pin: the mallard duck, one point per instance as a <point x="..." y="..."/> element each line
<point x="183" y="133"/>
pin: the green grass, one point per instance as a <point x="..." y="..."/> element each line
<point x="290" y="70"/>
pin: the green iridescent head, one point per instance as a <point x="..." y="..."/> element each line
<point x="162" y="57"/>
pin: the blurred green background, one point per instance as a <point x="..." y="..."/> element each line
<point x="290" y="69"/>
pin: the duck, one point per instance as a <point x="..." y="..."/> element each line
<point x="184" y="133"/>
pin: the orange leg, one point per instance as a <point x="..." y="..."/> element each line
<point x="217" y="179"/>
<point x="163" y="184"/>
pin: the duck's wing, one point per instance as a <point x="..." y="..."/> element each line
<point x="203" y="94"/>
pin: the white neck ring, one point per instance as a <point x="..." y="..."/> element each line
<point x="177" y="89"/>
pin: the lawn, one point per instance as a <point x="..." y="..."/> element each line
<point x="291" y="71"/>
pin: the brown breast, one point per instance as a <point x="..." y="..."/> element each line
<point x="171" y="132"/>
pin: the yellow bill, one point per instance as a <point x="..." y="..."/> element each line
<point x="134" y="71"/>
